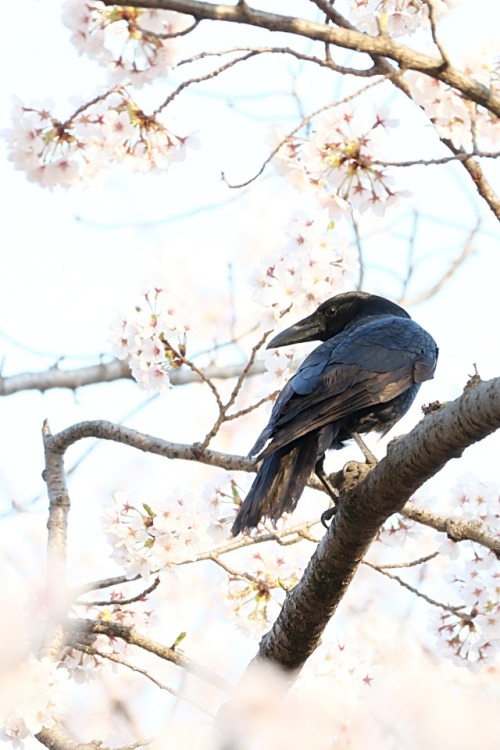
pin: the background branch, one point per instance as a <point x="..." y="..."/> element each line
<point x="109" y="372"/>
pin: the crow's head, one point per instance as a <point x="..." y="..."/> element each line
<point x="334" y="315"/>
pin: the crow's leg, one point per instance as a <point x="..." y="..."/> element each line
<point x="370" y="458"/>
<point x="323" y="478"/>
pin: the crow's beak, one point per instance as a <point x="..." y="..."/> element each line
<point x="308" y="329"/>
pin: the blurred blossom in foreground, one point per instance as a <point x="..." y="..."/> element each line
<point x="32" y="699"/>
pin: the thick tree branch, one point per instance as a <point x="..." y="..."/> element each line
<point x="456" y="529"/>
<point x="477" y="175"/>
<point x="147" y="443"/>
<point x="367" y="499"/>
<point x="381" y="46"/>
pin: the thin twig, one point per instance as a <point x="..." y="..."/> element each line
<point x="467" y="250"/>
<point x="410" y="266"/>
<point x="327" y="63"/>
<point x="166" y="35"/>
<point x="477" y="175"/>
<point x="196" y="370"/>
<point x="131" y="636"/>
<point x="303" y="123"/>
<point x="433" y="24"/>
<point x="410" y="564"/>
<point x="117" y="660"/>
<point x="460" y="156"/>
<point x="235" y="573"/>
<point x="199" y="79"/>
<point x="120" y="602"/>
<point x="413" y="590"/>
<point x="243" y="412"/>
<point x="223" y="408"/>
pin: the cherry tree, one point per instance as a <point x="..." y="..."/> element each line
<point x="170" y="604"/>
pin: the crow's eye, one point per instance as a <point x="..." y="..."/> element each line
<point x="331" y="312"/>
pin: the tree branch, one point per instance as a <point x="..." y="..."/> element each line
<point x="382" y="45"/>
<point x="108" y="372"/>
<point x="57" y="738"/>
<point x="131" y="636"/>
<point x="57" y="538"/>
<point x="473" y="168"/>
<point x="367" y="499"/>
<point x="147" y="443"/>
<point x="457" y="529"/>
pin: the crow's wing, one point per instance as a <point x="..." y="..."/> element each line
<point x="369" y="365"/>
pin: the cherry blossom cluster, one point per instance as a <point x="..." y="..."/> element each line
<point x="396" y="531"/>
<point x="152" y="336"/>
<point x="110" y="129"/>
<point x="465" y="124"/>
<point x="471" y="635"/>
<point x="338" y="161"/>
<point x="221" y="499"/>
<point x="33" y="700"/>
<point x="396" y="17"/>
<point x="336" y="678"/>
<point x="257" y="594"/>
<point x="134" y="45"/>
<point x="84" y="665"/>
<point x="146" y="540"/>
<point x="314" y="264"/>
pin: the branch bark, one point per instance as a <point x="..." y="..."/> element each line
<point x="367" y="499"/>
<point x="106" y="373"/>
<point x="380" y="46"/>
<point x="147" y="443"/>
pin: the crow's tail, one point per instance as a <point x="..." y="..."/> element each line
<point x="279" y="483"/>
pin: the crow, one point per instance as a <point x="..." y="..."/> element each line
<point x="363" y="378"/>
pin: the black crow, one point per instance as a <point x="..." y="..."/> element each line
<point x="363" y="378"/>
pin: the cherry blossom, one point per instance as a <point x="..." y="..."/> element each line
<point x="133" y="44"/>
<point x="110" y="129"/>
<point x="397" y="17"/>
<point x="314" y="264"/>
<point x="256" y="595"/>
<point x="339" y="162"/>
<point x="33" y="700"/>
<point x="152" y="335"/>
<point x="471" y="635"/>
<point x="467" y="125"/>
<point x="153" y="538"/>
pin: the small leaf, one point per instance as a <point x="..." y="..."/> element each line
<point x="179" y="639"/>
